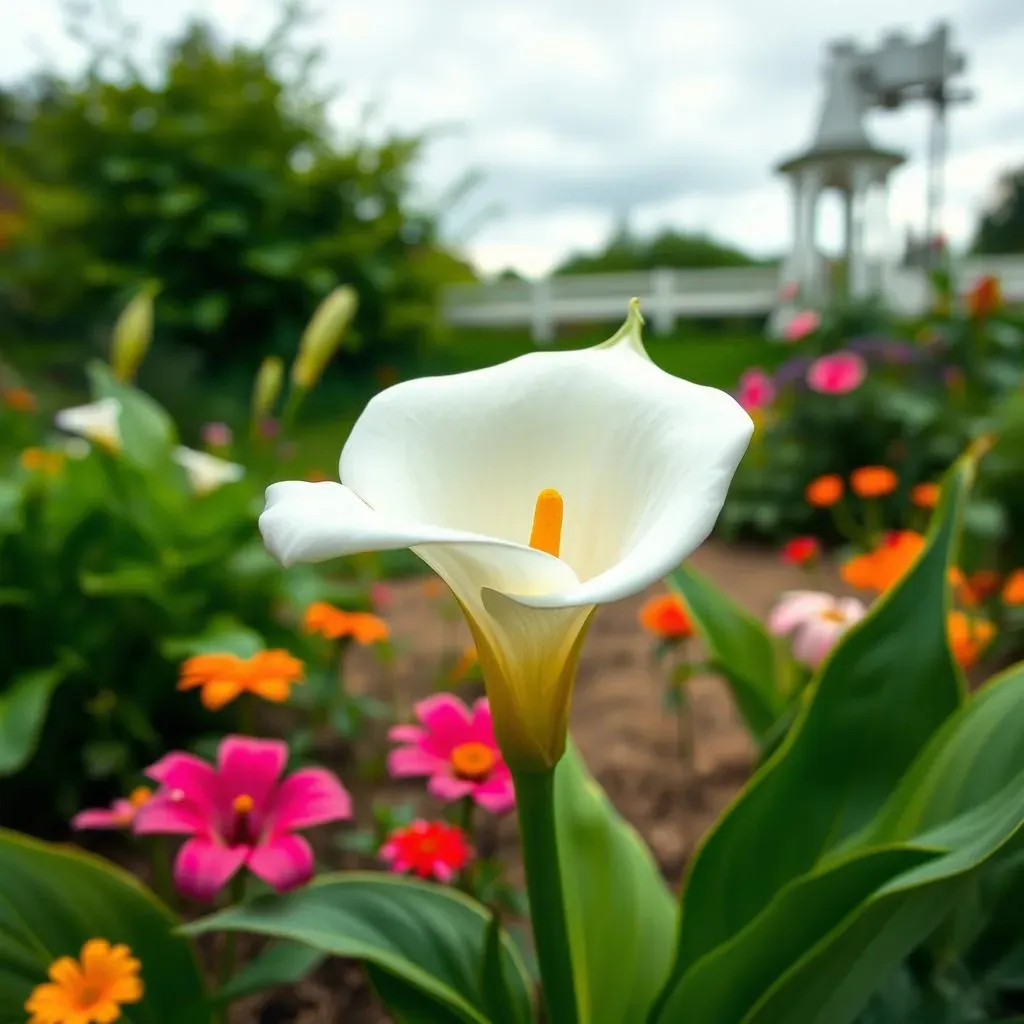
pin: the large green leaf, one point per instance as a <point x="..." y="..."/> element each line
<point x="280" y="963"/>
<point x="428" y="939"/>
<point x="740" y="647"/>
<point x="621" y="916"/>
<point x="871" y="709"/>
<point x="24" y="703"/>
<point x="54" y="899"/>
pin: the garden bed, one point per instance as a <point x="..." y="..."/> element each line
<point x="628" y="738"/>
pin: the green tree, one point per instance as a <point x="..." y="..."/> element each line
<point x="218" y="178"/>
<point x="1002" y="225"/>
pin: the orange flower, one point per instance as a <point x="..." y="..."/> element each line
<point x="462" y="668"/>
<point x="925" y="495"/>
<point x="880" y="569"/>
<point x="965" y="594"/>
<point x="90" y="992"/>
<point x="666" y="617"/>
<point x="223" y="677"/>
<point x="39" y="460"/>
<point x="19" y="399"/>
<point x="985" y="297"/>
<point x="873" y="481"/>
<point x="334" y="623"/>
<point x="824" y="491"/>
<point x="1013" y="589"/>
<point x="433" y="587"/>
<point x="968" y="637"/>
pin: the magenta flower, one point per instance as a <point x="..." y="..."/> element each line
<point x="240" y="813"/>
<point x="801" y="324"/>
<point x="815" y="620"/>
<point x="756" y="389"/>
<point x="456" y="747"/>
<point x="837" y="374"/>
<point x="217" y="435"/>
<point x="120" y="814"/>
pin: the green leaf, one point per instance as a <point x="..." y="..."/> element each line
<point x="131" y="580"/>
<point x="12" y="491"/>
<point x="741" y="648"/>
<point x="866" y="716"/>
<point x="24" y="703"/>
<point x="500" y="1003"/>
<point x="280" y="963"/>
<point x="54" y="899"/>
<point x="223" y="634"/>
<point x="147" y="430"/>
<point x="425" y="940"/>
<point x="621" y="916"/>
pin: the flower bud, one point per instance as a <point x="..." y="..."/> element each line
<point x="133" y="333"/>
<point x="323" y="335"/>
<point x="267" y="387"/>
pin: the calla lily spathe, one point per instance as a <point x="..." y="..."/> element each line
<point x="98" y="422"/>
<point x="206" y="472"/>
<point x="452" y="468"/>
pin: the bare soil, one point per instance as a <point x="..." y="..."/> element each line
<point x="629" y="740"/>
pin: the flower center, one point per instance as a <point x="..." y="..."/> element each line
<point x="833" y="615"/>
<point x="139" y="796"/>
<point x="242" y="804"/>
<point x="546" y="534"/>
<point x="472" y="761"/>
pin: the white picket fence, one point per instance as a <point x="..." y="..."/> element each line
<point x="668" y="295"/>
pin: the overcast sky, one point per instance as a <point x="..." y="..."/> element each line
<point x="576" y="112"/>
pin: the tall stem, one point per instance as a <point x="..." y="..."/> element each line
<point x="535" y="801"/>
<point x="230" y="948"/>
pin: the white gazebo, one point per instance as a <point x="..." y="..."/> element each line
<point x="841" y="157"/>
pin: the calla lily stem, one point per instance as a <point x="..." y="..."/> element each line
<point x="535" y="801"/>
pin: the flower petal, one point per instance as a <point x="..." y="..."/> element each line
<point x="310" y="797"/>
<point x="795" y="607"/>
<point x="119" y="815"/>
<point x="162" y="814"/>
<point x="413" y="762"/>
<point x="447" y="721"/>
<point x="406" y="733"/>
<point x="497" y="795"/>
<point x="202" y="867"/>
<point x="284" y="862"/>
<point x="250" y="766"/>
<point x="190" y="777"/>
<point x="448" y="788"/>
<point x="814" y="639"/>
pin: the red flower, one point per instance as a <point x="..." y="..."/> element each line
<point x="430" y="849"/>
<point x="801" y="550"/>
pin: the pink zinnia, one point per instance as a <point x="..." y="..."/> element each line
<point x="801" y="324"/>
<point x="815" y="620"/>
<point x="756" y="389"/>
<point x="456" y="747"/>
<point x="240" y="813"/>
<point x="217" y="435"/>
<point x="430" y="849"/>
<point x="837" y="374"/>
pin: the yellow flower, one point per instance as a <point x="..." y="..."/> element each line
<point x="537" y="490"/>
<point x="88" y="992"/>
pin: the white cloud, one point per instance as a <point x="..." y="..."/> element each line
<point x="576" y="113"/>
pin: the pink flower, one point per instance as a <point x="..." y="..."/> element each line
<point x="381" y="596"/>
<point x="837" y="374"/>
<point x="456" y="747"/>
<point x="756" y="389"/>
<point x="801" y="324"/>
<point x="217" y="435"/>
<point x="815" y="620"/>
<point x="120" y="814"/>
<point x="240" y="813"/>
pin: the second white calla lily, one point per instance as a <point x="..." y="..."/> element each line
<point x="98" y="422"/>
<point x="206" y="472"/>
<point x="611" y="468"/>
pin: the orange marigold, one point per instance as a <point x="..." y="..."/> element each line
<point x="925" y="495"/>
<point x="222" y="677"/>
<point x="91" y="989"/>
<point x="985" y="296"/>
<point x="968" y="637"/>
<point x="39" y="460"/>
<point x="334" y="623"/>
<point x="666" y="616"/>
<point x="1013" y="588"/>
<point x="873" y="481"/>
<point x="879" y="569"/>
<point x="824" y="491"/>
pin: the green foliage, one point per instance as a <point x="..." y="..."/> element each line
<point x="427" y="945"/>
<point x="54" y="900"/>
<point x="1001" y="230"/>
<point x="217" y="178"/>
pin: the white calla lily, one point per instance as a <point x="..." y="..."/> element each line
<point x="98" y="422"/>
<point x="452" y="468"/>
<point x="206" y="472"/>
